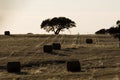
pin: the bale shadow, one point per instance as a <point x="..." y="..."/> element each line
<point x="101" y="67"/>
<point x="59" y="54"/>
<point x="22" y="73"/>
<point x="43" y="63"/>
<point x="3" y="68"/>
<point x="69" y="49"/>
<point x="53" y="62"/>
<point x="18" y="73"/>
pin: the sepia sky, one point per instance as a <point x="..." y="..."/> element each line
<point x="25" y="16"/>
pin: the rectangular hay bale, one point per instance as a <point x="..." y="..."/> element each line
<point x="7" y="33"/>
<point x="13" y="67"/>
<point x="89" y="41"/>
<point x="48" y="48"/>
<point x="56" y="46"/>
<point x="73" y="66"/>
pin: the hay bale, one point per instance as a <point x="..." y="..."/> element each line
<point x="73" y="66"/>
<point x="89" y="41"/>
<point x="13" y="67"/>
<point x="7" y="33"/>
<point x="56" y="46"/>
<point x="48" y="48"/>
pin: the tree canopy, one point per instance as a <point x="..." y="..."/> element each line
<point x="112" y="30"/>
<point x="57" y="24"/>
<point x="101" y="31"/>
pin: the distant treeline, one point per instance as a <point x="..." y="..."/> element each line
<point x="112" y="30"/>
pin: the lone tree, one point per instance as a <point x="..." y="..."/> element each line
<point x="57" y="24"/>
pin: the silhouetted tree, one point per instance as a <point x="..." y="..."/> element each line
<point x="112" y="30"/>
<point x="117" y="35"/>
<point x="116" y="31"/>
<point x="118" y="22"/>
<point x="57" y="24"/>
<point x="101" y="31"/>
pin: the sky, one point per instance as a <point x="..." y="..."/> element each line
<point x="25" y="16"/>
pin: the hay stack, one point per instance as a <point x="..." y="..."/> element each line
<point x="48" y="48"/>
<point x="89" y="41"/>
<point x="7" y="33"/>
<point x="73" y="66"/>
<point x="56" y="46"/>
<point x="14" y="67"/>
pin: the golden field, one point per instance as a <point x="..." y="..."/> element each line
<point x="99" y="61"/>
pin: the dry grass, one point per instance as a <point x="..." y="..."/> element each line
<point x="99" y="61"/>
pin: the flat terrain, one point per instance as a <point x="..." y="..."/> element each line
<point x="99" y="61"/>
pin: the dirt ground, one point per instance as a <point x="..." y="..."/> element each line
<point x="99" y="60"/>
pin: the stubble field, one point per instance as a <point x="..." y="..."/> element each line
<point x="99" y="61"/>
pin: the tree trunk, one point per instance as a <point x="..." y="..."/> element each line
<point x="57" y="31"/>
<point x="119" y="42"/>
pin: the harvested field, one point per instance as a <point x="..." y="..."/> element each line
<point x="99" y="60"/>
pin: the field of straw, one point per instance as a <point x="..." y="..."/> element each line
<point x="99" y="60"/>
